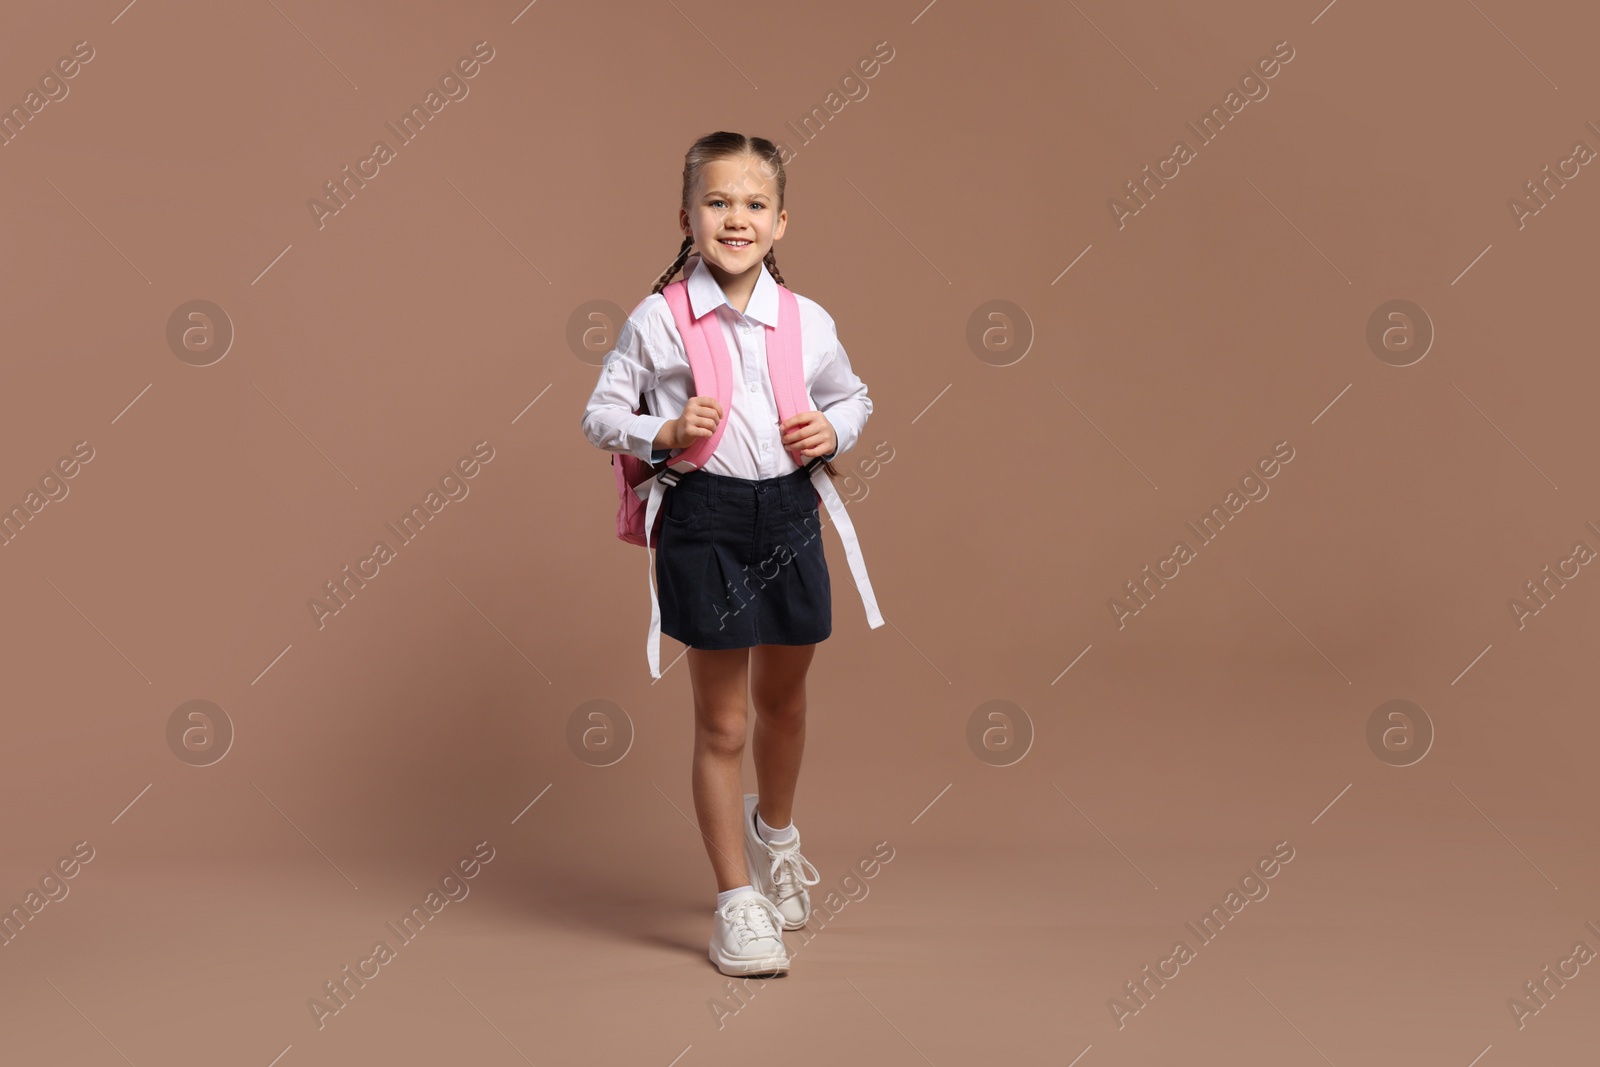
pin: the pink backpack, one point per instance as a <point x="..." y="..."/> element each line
<point x="640" y="486"/>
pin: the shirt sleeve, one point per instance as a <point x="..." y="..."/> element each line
<point x="840" y="395"/>
<point x="609" y="421"/>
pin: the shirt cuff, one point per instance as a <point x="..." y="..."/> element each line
<point x="641" y="437"/>
<point x="847" y="420"/>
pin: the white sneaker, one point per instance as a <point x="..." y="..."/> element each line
<point x="779" y="873"/>
<point x="745" y="937"/>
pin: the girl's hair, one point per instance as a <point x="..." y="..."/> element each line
<point x="725" y="145"/>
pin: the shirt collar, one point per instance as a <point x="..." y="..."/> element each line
<point x="705" y="294"/>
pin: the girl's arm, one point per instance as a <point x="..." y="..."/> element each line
<point x="840" y="395"/>
<point x="608" y="421"/>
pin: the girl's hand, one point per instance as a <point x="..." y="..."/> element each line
<point x="699" y="419"/>
<point x="810" y="432"/>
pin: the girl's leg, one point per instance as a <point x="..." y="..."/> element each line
<point x="720" y="679"/>
<point x="778" y="689"/>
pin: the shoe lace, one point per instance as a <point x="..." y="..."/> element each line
<point x="790" y="870"/>
<point x="752" y="916"/>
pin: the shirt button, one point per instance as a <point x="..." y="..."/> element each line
<point x="754" y="386"/>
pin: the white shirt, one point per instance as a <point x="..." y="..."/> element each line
<point x="649" y="358"/>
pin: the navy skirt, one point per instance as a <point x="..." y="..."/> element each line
<point x="740" y="563"/>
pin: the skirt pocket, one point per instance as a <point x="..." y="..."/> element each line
<point x="680" y="505"/>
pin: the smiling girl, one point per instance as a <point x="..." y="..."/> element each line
<point x="740" y="568"/>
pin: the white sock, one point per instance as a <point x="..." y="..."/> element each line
<point x="728" y="894"/>
<point x="774" y="837"/>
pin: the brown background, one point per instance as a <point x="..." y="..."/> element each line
<point x="433" y="312"/>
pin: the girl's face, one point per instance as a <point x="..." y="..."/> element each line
<point x="735" y="201"/>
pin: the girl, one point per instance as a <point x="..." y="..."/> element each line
<point x="740" y="568"/>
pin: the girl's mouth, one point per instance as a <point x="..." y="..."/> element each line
<point x="733" y="243"/>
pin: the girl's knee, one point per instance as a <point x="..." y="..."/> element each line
<point x="786" y="711"/>
<point x="720" y="735"/>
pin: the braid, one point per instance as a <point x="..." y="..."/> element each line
<point x="683" y="254"/>
<point x="772" y="265"/>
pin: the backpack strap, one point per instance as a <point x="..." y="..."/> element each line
<point x="785" y="365"/>
<point x="852" y="547"/>
<point x="713" y="373"/>
<point x="703" y="343"/>
<point x="786" y="368"/>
